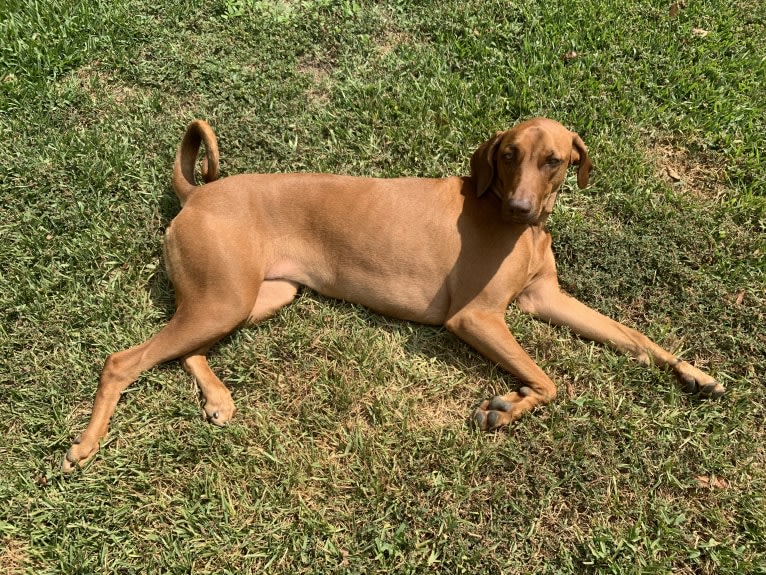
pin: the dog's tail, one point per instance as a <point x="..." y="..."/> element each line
<point x="184" y="182"/>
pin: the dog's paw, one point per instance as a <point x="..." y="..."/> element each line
<point x="501" y="410"/>
<point x="693" y="380"/>
<point x="219" y="410"/>
<point x="78" y="455"/>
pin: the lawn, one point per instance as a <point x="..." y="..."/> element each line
<point x="351" y="451"/>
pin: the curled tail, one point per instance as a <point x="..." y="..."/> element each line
<point x="186" y="158"/>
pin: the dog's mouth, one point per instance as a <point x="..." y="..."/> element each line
<point x="516" y="217"/>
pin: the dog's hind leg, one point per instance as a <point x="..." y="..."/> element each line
<point x="216" y="399"/>
<point x="272" y="295"/>
<point x="193" y="327"/>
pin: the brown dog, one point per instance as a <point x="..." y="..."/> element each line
<point x="452" y="252"/>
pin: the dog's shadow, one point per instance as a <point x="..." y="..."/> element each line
<point x="160" y="288"/>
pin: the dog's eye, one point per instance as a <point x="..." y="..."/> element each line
<point x="553" y="162"/>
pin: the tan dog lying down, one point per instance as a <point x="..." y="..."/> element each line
<point x="453" y="252"/>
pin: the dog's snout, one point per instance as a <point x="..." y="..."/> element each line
<point x="521" y="206"/>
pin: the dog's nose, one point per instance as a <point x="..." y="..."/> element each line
<point x="521" y="206"/>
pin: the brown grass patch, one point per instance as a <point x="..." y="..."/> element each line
<point x="391" y="39"/>
<point x="99" y="83"/>
<point x="698" y="174"/>
<point x="318" y="74"/>
<point x="13" y="556"/>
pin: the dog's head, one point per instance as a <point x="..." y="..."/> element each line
<point x="526" y="165"/>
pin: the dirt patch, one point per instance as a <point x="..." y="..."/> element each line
<point x="99" y="84"/>
<point x="13" y="557"/>
<point x="391" y="39"/>
<point x="699" y="174"/>
<point x="318" y="75"/>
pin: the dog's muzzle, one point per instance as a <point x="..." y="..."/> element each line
<point x="519" y="211"/>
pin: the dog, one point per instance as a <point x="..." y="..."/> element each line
<point x="453" y="252"/>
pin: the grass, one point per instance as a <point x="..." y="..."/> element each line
<point x="350" y="452"/>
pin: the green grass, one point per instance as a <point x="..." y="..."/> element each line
<point x="350" y="452"/>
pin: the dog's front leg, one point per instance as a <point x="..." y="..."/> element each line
<point x="487" y="332"/>
<point x="547" y="302"/>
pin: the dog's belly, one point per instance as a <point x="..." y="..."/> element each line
<point x="410" y="296"/>
<point x="407" y="301"/>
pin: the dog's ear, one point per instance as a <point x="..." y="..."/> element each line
<point x="483" y="163"/>
<point x="580" y="158"/>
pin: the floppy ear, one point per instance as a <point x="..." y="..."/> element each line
<point x="483" y="163"/>
<point x="580" y="158"/>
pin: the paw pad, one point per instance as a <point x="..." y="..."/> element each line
<point x="688" y="384"/>
<point x="492" y="419"/>
<point x="500" y="404"/>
